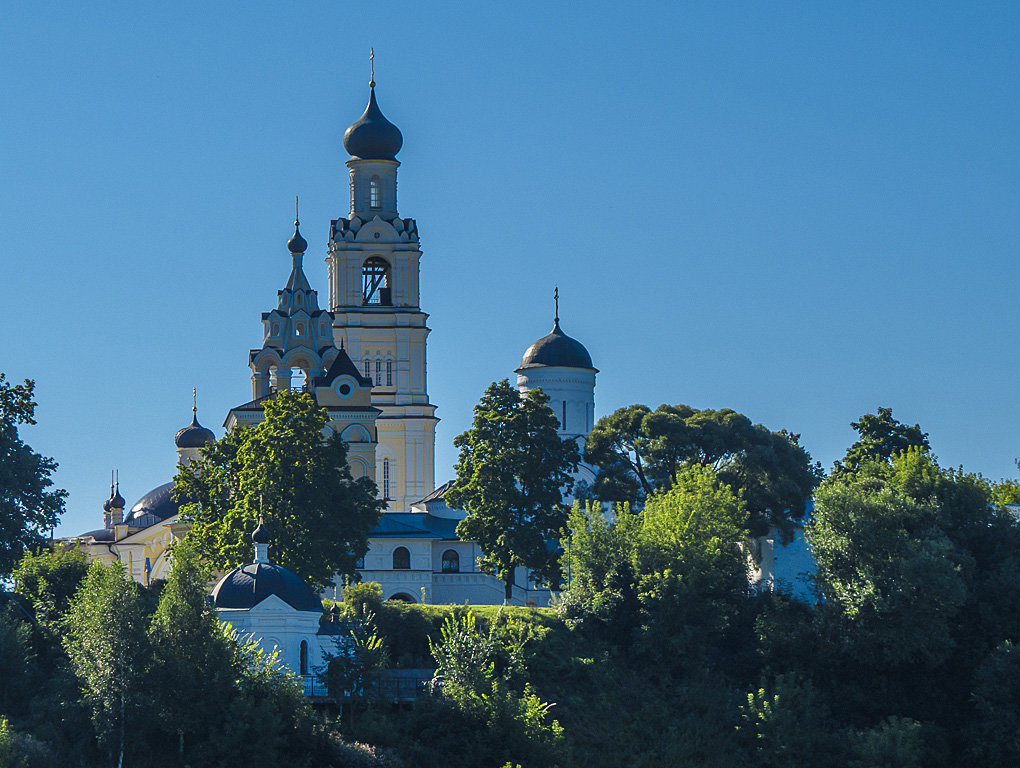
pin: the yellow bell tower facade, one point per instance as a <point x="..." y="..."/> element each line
<point x="373" y="264"/>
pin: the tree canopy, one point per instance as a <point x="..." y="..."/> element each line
<point x="771" y="470"/>
<point x="285" y="471"/>
<point x="29" y="506"/>
<point x="881" y="438"/>
<point x="511" y="471"/>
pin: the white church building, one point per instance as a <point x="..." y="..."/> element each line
<point x="364" y="360"/>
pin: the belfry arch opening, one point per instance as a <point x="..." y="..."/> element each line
<point x="375" y="281"/>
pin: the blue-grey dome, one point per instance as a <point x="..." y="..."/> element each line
<point x="194" y="435"/>
<point x="373" y="137"/>
<point x="260" y="535"/>
<point x="249" y="585"/>
<point x="557" y="350"/>
<point x="297" y="244"/>
<point x="158" y="504"/>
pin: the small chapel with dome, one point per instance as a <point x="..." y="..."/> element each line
<point x="363" y="359"/>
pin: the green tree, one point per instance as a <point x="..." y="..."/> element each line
<point x="49" y="580"/>
<point x="773" y="472"/>
<point x="888" y="567"/>
<point x="106" y="645"/>
<point x="510" y="472"/>
<point x="881" y="438"/>
<point x="1007" y="491"/>
<point x="29" y="507"/>
<point x="283" y="471"/>
<point x="194" y="665"/>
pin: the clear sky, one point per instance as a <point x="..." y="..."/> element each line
<point x="802" y="211"/>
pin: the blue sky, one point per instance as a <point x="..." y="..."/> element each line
<point x="802" y="211"/>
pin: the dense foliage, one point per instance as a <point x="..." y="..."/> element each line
<point x="285" y="472"/>
<point x="29" y="506"/>
<point x="511" y="472"/>
<point x="641" y="451"/>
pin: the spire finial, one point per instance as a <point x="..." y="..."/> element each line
<point x="556" y="298"/>
<point x="371" y="65"/>
<point x="296" y="221"/>
<point x="194" y="400"/>
<point x="341" y="344"/>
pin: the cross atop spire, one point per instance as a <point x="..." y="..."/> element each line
<point x="296" y="221"/>
<point x="556" y="298"/>
<point x="371" y="65"/>
<point x="194" y="400"/>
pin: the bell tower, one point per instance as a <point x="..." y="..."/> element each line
<point x="373" y="265"/>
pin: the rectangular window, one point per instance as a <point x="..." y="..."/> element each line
<point x="564" y="424"/>
<point x="386" y="478"/>
<point x="378" y="372"/>
<point x="389" y="373"/>
<point x="368" y="369"/>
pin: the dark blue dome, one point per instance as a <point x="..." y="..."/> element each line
<point x="158" y="504"/>
<point x="194" y="435"/>
<point x="297" y="244"/>
<point x="373" y="137"/>
<point x="260" y="535"/>
<point x="557" y="350"/>
<point x="249" y="585"/>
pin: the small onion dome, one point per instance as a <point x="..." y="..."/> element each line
<point x="297" y="244"/>
<point x="249" y="585"/>
<point x="260" y="535"/>
<point x="116" y="501"/>
<point x="373" y="137"/>
<point x="557" y="350"/>
<point x="194" y="435"/>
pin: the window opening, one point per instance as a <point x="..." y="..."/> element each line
<point x="389" y="373"/>
<point x="304" y="657"/>
<point x="564" y="425"/>
<point x="359" y="562"/>
<point x="451" y="561"/>
<point x="375" y="281"/>
<point x="368" y="369"/>
<point x="373" y="193"/>
<point x="386" y="478"/>
<point x="378" y="372"/>
<point x="401" y="559"/>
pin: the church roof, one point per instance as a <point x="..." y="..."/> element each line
<point x="194" y="435"/>
<point x="342" y="366"/>
<point x="155" y="506"/>
<point x="556" y="349"/>
<point x="437" y="494"/>
<point x="249" y="585"/>
<point x="372" y="136"/>
<point x="402" y="525"/>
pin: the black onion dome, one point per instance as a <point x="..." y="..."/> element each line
<point x="116" y="501"/>
<point x="297" y="244"/>
<point x="158" y="504"/>
<point x="249" y="585"/>
<point x="260" y="535"/>
<point x="373" y="137"/>
<point x="557" y="350"/>
<point x="194" y="435"/>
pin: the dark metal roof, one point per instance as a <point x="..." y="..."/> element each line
<point x="437" y="494"/>
<point x="100" y="534"/>
<point x="556" y="349"/>
<point x="249" y="585"/>
<point x="373" y="137"/>
<point x="260" y="535"/>
<point x="158" y="502"/>
<point x="400" y="525"/>
<point x="342" y="366"/>
<point x="297" y="244"/>
<point x="194" y="435"/>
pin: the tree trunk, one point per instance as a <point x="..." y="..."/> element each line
<point x="508" y="584"/>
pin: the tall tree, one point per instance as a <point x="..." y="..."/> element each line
<point x="881" y="438"/>
<point x="106" y="644"/>
<point x="29" y="507"/>
<point x="771" y="469"/>
<point x="49" y="580"/>
<point x="286" y="472"/>
<point x="510" y="475"/>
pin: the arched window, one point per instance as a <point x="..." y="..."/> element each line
<point x="297" y="299"/>
<point x="375" y="281"/>
<point x="389" y="373"/>
<point x="368" y="369"/>
<point x="299" y="329"/>
<point x="304" y="657"/>
<point x="401" y="597"/>
<point x="386" y="480"/>
<point x="401" y="559"/>
<point x="451" y="561"/>
<point x="378" y="372"/>
<point x="374" y="190"/>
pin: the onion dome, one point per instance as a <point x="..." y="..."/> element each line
<point x="249" y="585"/>
<point x="116" y="501"/>
<point x="194" y="435"/>
<point x="556" y="349"/>
<point x="260" y="535"/>
<point x="373" y="137"/>
<point x="297" y="244"/>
